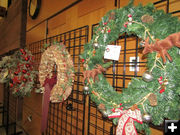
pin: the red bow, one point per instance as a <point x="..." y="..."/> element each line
<point x="126" y="121"/>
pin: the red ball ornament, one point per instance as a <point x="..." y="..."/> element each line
<point x="24" y="79"/>
<point x="19" y="82"/>
<point x="11" y="85"/>
<point x="109" y="31"/>
<point x="15" y="73"/>
<point x="28" y="65"/>
<point x="83" y="60"/>
<point x="24" y="71"/>
<point x="22" y="51"/>
<point x="27" y="58"/>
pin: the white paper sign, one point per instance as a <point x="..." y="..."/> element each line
<point x="112" y="52"/>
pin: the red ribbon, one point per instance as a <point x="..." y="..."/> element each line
<point x="126" y="121"/>
<point x="48" y="84"/>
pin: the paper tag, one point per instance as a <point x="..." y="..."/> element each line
<point x="112" y="52"/>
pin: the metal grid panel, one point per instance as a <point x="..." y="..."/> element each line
<point x="120" y="75"/>
<point x="9" y="106"/>
<point x="67" y="118"/>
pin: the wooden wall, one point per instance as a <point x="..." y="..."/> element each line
<point x="12" y="28"/>
<point x="87" y="12"/>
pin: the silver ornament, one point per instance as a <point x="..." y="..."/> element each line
<point x="106" y="113"/>
<point x="95" y="45"/>
<point x="146" y="117"/>
<point x="147" y="76"/>
<point x="86" y="90"/>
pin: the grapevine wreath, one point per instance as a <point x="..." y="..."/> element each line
<point x="57" y="55"/>
<point x="151" y="98"/>
<point x="17" y="70"/>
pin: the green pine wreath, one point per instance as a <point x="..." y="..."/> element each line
<point x="159" y="95"/>
<point x="17" y="70"/>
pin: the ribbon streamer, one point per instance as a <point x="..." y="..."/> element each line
<point x="126" y="121"/>
<point x="48" y="84"/>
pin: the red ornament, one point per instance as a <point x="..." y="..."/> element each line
<point x="24" y="71"/>
<point x="27" y="58"/>
<point x="15" y="79"/>
<point x="15" y="73"/>
<point x="28" y="65"/>
<point x="83" y="60"/>
<point x="109" y="31"/>
<point x="105" y="23"/>
<point x="11" y="85"/>
<point x="161" y="91"/>
<point x="17" y="90"/>
<point x="19" y="82"/>
<point x="24" y="79"/>
<point x="22" y="51"/>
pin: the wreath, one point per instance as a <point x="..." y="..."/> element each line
<point x="56" y="58"/>
<point x="18" y="71"/>
<point x="155" y="95"/>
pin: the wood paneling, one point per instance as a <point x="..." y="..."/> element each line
<point x="88" y="6"/>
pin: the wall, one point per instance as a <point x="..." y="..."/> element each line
<point x="12" y="28"/>
<point x="87" y="12"/>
